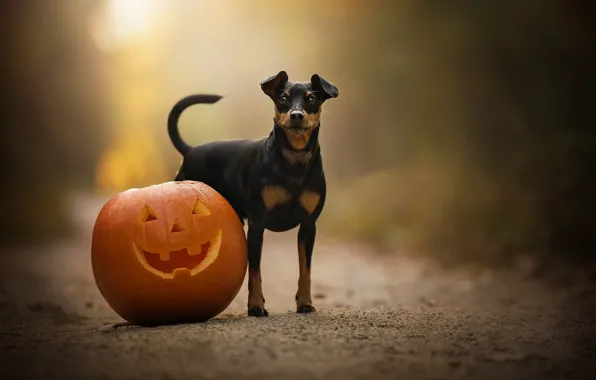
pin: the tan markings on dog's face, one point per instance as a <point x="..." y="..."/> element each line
<point x="298" y="97"/>
<point x="309" y="200"/>
<point x="274" y="195"/>
<point x="282" y="118"/>
<point x="312" y="119"/>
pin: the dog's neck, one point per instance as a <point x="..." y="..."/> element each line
<point x="279" y="143"/>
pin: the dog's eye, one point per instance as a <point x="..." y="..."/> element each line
<point x="283" y="99"/>
<point x="312" y="99"/>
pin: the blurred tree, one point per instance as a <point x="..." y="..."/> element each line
<point x="484" y="112"/>
<point x="52" y="114"/>
<point x="543" y="59"/>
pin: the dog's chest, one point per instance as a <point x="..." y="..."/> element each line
<point x="286" y="205"/>
<point x="293" y="157"/>
<point x="287" y="197"/>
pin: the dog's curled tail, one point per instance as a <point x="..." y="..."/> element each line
<point x="177" y="110"/>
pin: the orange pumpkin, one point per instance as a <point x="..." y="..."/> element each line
<point x="174" y="252"/>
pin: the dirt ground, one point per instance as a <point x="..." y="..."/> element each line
<point x="380" y="317"/>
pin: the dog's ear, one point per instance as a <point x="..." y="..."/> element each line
<point x="272" y="84"/>
<point x="325" y="89"/>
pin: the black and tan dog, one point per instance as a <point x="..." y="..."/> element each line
<point x="276" y="183"/>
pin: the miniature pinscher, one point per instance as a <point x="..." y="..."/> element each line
<point x="275" y="183"/>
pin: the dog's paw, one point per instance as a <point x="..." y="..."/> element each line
<point x="303" y="309"/>
<point x="256" y="311"/>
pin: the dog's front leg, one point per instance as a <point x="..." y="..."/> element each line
<point x="256" y="301"/>
<point x="306" y="242"/>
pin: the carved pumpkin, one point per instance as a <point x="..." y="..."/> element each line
<point x="174" y="252"/>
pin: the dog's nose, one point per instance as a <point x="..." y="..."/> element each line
<point x="297" y="115"/>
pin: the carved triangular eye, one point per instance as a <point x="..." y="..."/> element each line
<point x="147" y="214"/>
<point x="200" y="209"/>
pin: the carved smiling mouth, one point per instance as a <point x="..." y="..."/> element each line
<point x="187" y="261"/>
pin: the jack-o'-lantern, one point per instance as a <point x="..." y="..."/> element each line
<point x="174" y="252"/>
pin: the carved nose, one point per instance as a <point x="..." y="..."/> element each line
<point x="297" y="115"/>
<point x="177" y="227"/>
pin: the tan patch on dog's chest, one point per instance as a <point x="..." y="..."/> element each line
<point x="309" y="200"/>
<point x="275" y="195"/>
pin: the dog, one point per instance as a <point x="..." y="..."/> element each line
<point x="276" y="183"/>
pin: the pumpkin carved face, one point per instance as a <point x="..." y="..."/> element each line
<point x="181" y="241"/>
<point x="168" y="253"/>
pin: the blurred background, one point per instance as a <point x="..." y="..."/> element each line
<point x="463" y="130"/>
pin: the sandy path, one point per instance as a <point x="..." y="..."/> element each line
<point x="379" y="317"/>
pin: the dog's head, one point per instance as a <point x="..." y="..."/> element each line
<point x="298" y="104"/>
